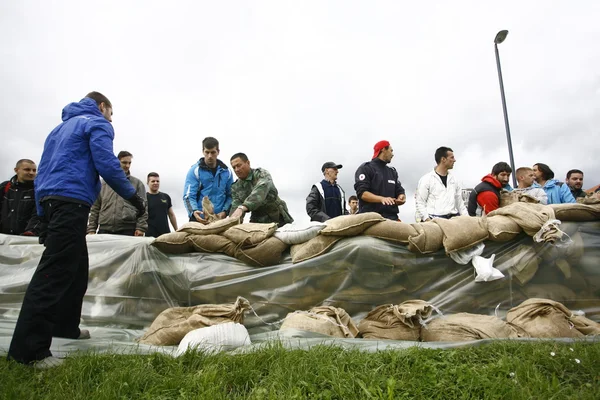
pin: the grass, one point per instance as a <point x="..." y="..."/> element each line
<point x="502" y="370"/>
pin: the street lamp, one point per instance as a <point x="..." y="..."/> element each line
<point x="500" y="37"/>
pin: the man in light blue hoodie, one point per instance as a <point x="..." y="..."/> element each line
<point x="558" y="192"/>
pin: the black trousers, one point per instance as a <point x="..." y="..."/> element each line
<point x="53" y="300"/>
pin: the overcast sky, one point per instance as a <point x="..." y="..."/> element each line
<point x="296" y="83"/>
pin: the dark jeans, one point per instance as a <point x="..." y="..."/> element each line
<point x="53" y="300"/>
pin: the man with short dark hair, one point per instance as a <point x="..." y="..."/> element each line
<point x="75" y="154"/>
<point x="438" y="193"/>
<point x="17" y="202"/>
<point x="575" y="182"/>
<point x="208" y="177"/>
<point x="326" y="199"/>
<point x="485" y="198"/>
<point x="159" y="208"/>
<point x="111" y="214"/>
<point x="525" y="185"/>
<point x="353" y="205"/>
<point x="255" y="192"/>
<point x="556" y="191"/>
<point x="377" y="185"/>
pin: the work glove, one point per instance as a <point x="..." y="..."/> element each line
<point x="138" y="203"/>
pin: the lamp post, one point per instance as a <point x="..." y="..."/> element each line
<point x="500" y="37"/>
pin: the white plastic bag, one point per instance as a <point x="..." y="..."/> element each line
<point x="227" y="336"/>
<point x="484" y="270"/>
<point x="463" y="257"/>
<point x="297" y="233"/>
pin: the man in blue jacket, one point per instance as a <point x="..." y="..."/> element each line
<point x="208" y="177"/>
<point x="558" y="192"/>
<point x="76" y="153"/>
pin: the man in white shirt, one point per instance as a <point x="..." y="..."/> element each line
<point x="525" y="179"/>
<point x="438" y="193"/>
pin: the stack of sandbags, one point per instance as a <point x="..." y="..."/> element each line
<point x="327" y="320"/>
<point x="396" y="322"/>
<point x="462" y="232"/>
<point x="255" y="243"/>
<point x="174" y="323"/>
<point x="577" y="212"/>
<point x="464" y="327"/>
<point x="530" y="217"/>
<point x="428" y="238"/>
<point x="502" y="228"/>
<point x="351" y="225"/>
<point x="543" y="318"/>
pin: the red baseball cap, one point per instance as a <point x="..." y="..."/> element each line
<point x="380" y="146"/>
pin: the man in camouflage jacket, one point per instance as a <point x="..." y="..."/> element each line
<point x="255" y="192"/>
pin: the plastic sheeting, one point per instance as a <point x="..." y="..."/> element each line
<point x="131" y="282"/>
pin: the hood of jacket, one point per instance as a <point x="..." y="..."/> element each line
<point x="86" y="106"/>
<point x="203" y="165"/>
<point x="489" y="178"/>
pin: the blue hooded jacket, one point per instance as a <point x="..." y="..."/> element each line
<point x="75" y="153"/>
<point x="200" y="182"/>
<point x="557" y="192"/>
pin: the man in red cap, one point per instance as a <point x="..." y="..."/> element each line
<point x="377" y="185"/>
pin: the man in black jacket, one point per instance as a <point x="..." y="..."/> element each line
<point x="377" y="185"/>
<point x="17" y="206"/>
<point x="326" y="198"/>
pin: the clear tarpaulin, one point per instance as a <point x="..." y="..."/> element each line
<point x="131" y="281"/>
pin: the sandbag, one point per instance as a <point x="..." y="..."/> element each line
<point x="502" y="228"/>
<point x="530" y="217"/>
<point x="212" y="244"/>
<point x="464" y="327"/>
<point x="171" y="325"/>
<point x="351" y="225"/>
<point x="225" y="336"/>
<point x="585" y="325"/>
<point x="250" y="233"/>
<point x="312" y="248"/>
<point x="174" y="243"/>
<point x="213" y="228"/>
<point x="394" y="231"/>
<point x="297" y="233"/>
<point x="543" y="318"/>
<point x="523" y="261"/>
<point x="507" y="198"/>
<point x="396" y="322"/>
<point x="576" y="212"/>
<point x="428" y="239"/>
<point x="264" y="254"/>
<point x="327" y="320"/>
<point x="462" y="232"/>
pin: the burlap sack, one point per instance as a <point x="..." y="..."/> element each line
<point x="591" y="198"/>
<point x="462" y="232"/>
<point x="174" y="243"/>
<point x="464" y="327"/>
<point x="524" y="263"/>
<point x="507" y="198"/>
<point x="394" y="231"/>
<point x="212" y="244"/>
<point x="327" y="320"/>
<point x="502" y="228"/>
<point x="251" y="233"/>
<point x="428" y="239"/>
<point x="213" y="228"/>
<point x="263" y="254"/>
<point x="543" y="318"/>
<point x="313" y="248"/>
<point x="530" y="217"/>
<point x="552" y="291"/>
<point x="396" y="322"/>
<point x="350" y="225"/>
<point x="171" y="325"/>
<point x="586" y="325"/>
<point x="576" y="212"/>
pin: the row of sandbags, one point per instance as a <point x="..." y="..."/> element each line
<point x="263" y="244"/>
<point x="410" y="320"/>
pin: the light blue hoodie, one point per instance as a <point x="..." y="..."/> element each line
<point x="558" y="192"/>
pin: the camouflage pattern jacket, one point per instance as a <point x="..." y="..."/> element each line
<point x="258" y="193"/>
